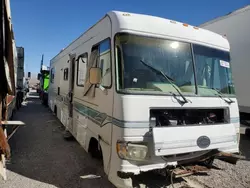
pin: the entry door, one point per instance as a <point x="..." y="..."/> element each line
<point x="71" y="84"/>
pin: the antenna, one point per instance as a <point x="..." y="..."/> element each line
<point x="41" y="64"/>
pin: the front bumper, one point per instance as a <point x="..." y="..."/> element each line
<point x="160" y="162"/>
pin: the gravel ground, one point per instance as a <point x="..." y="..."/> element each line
<point x="228" y="175"/>
<point x="41" y="158"/>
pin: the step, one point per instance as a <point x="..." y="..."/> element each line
<point x="12" y="123"/>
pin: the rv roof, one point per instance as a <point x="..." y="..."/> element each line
<point x="161" y="27"/>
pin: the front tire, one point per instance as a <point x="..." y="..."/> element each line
<point x="209" y="162"/>
<point x="94" y="150"/>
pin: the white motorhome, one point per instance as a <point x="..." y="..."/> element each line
<point x="146" y="93"/>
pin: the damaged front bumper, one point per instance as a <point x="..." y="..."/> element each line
<point x="191" y="166"/>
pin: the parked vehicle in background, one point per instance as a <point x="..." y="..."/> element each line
<point x="43" y="78"/>
<point x="26" y="85"/>
<point x="236" y="28"/>
<point x="145" y="93"/>
<point x="43" y="86"/>
<point x="20" y="77"/>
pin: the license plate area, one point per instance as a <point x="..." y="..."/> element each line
<point x="184" y="139"/>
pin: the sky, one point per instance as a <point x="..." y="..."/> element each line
<point x="47" y="26"/>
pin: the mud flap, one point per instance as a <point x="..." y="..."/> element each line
<point x="229" y="157"/>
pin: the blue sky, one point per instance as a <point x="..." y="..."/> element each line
<point x="47" y="26"/>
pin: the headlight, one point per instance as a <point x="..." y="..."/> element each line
<point x="137" y="152"/>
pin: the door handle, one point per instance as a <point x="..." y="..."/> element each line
<point x="70" y="94"/>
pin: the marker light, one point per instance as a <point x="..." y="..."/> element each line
<point x="126" y="14"/>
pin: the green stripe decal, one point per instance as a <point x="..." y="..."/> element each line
<point x="102" y="118"/>
<point x="94" y="115"/>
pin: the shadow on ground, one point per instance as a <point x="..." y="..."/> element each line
<point x="40" y="153"/>
<point x="245" y="146"/>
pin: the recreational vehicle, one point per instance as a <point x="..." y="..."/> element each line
<point x="146" y="93"/>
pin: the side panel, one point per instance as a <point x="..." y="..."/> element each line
<point x="54" y="98"/>
<point x="92" y="116"/>
<point x="63" y="87"/>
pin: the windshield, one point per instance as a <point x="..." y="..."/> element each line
<point x="213" y="70"/>
<point x="173" y="58"/>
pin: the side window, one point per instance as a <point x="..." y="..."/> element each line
<point x="52" y="75"/>
<point x="66" y="74"/>
<point x="82" y="62"/>
<point x="104" y="62"/>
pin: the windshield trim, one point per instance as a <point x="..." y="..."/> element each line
<point x="186" y="94"/>
<point x="169" y="37"/>
<point x="194" y="68"/>
<point x="231" y="96"/>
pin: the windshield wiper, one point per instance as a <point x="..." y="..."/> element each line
<point x="229" y="101"/>
<point x="169" y="79"/>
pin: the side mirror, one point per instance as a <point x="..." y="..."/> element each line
<point x="38" y="76"/>
<point x="29" y="74"/>
<point x="95" y="75"/>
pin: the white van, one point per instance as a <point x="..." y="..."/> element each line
<point x="146" y="93"/>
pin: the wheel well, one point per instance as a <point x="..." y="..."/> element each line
<point x="93" y="147"/>
<point x="55" y="109"/>
<point x="93" y="143"/>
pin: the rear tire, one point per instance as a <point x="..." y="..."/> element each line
<point x="55" y="111"/>
<point x="68" y="136"/>
<point x="18" y="101"/>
